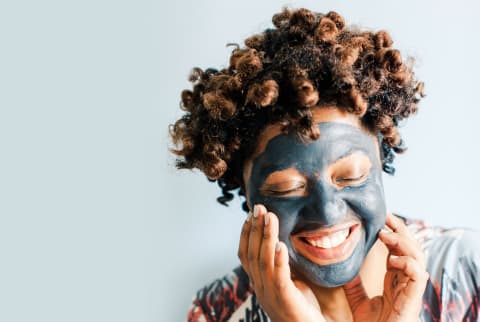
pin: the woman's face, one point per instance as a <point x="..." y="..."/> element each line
<point x="327" y="194"/>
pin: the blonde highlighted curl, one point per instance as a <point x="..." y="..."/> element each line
<point x="309" y="59"/>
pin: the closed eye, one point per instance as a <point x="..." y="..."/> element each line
<point x="285" y="183"/>
<point x="281" y="190"/>
<point x="351" y="181"/>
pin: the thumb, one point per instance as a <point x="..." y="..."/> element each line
<point x="355" y="293"/>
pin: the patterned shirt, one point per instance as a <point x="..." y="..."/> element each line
<point x="452" y="292"/>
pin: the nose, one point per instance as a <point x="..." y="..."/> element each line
<point x="323" y="205"/>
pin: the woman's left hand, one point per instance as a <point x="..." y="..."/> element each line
<point x="404" y="282"/>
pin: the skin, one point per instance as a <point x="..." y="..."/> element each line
<point x="318" y="187"/>
<point x="312" y="195"/>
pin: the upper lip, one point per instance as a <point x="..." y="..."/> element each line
<point x="325" y="231"/>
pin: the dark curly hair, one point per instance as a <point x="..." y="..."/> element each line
<point x="309" y="59"/>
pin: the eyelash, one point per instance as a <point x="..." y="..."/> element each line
<point x="348" y="180"/>
<point x="339" y="180"/>
<point x="285" y="192"/>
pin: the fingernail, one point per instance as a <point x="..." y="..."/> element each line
<point x="249" y="216"/>
<point x="394" y="258"/>
<point x="277" y="246"/>
<point x="256" y="210"/>
<point x="384" y="231"/>
<point x="267" y="218"/>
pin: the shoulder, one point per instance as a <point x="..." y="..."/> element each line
<point x="220" y="299"/>
<point x="453" y="262"/>
<point x="446" y="248"/>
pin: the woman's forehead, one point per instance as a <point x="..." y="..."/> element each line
<point x="337" y="141"/>
<point x="320" y="115"/>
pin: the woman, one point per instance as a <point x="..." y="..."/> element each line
<point x="302" y="123"/>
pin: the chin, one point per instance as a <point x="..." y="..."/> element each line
<point x="315" y="266"/>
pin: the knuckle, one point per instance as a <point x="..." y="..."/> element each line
<point x="267" y="234"/>
<point x="280" y="286"/>
<point x="246" y="269"/>
<point x="410" y="263"/>
<point x="394" y="241"/>
<point x="245" y="230"/>
<point x="263" y="265"/>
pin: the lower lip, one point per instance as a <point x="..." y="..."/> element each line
<point x="327" y="256"/>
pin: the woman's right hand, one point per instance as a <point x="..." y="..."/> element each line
<point x="265" y="260"/>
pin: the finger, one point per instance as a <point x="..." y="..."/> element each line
<point x="401" y="245"/>
<point x="281" y="273"/>
<point x="267" y="250"/>
<point x="243" y="244"/>
<point x="254" y="245"/>
<point x="396" y="224"/>
<point x="394" y="283"/>
<point x="355" y="293"/>
<point x="412" y="291"/>
<point x="409" y="266"/>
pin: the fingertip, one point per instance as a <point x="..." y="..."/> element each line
<point x="390" y="220"/>
<point x="391" y="216"/>
<point x="258" y="210"/>
<point x="386" y="236"/>
<point x="384" y="231"/>
<point x="394" y="260"/>
<point x="266" y="219"/>
<point x="279" y="246"/>
<point x="273" y="220"/>
<point x="284" y="251"/>
<point x="280" y="253"/>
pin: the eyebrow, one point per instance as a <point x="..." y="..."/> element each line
<point x="270" y="168"/>
<point x="351" y="152"/>
<point x="266" y="185"/>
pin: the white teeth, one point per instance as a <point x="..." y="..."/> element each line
<point x="330" y="241"/>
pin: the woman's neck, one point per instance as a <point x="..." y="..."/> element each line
<point x="333" y="302"/>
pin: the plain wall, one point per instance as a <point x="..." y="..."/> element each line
<point x="96" y="224"/>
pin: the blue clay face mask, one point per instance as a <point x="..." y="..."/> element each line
<point x="328" y="196"/>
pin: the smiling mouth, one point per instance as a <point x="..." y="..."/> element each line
<point x="328" y="246"/>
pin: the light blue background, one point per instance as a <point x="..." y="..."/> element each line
<point x="95" y="222"/>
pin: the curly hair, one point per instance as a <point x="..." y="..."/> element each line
<point x="308" y="59"/>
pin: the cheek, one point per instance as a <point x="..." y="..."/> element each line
<point x="368" y="203"/>
<point x="286" y="210"/>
